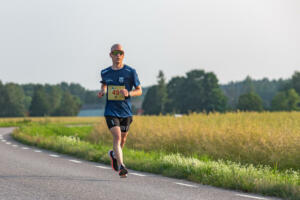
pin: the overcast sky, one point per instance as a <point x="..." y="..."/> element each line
<point x="50" y="41"/>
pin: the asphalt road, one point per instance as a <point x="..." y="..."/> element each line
<point x="28" y="173"/>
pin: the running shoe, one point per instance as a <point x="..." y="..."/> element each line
<point x="123" y="171"/>
<point x="114" y="162"/>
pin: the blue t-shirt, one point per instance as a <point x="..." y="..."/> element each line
<point x="115" y="80"/>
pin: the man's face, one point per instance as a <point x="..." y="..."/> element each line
<point x="117" y="54"/>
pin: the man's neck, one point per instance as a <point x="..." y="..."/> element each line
<point x="117" y="66"/>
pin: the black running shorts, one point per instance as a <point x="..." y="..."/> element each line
<point x="123" y="123"/>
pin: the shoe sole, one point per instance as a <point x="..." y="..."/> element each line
<point x="111" y="161"/>
<point x="123" y="173"/>
<point x="123" y="176"/>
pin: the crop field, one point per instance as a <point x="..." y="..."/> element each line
<point x="251" y="138"/>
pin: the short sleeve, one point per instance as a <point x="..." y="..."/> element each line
<point x="136" y="81"/>
<point x="102" y="79"/>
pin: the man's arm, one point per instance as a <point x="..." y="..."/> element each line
<point x="136" y="92"/>
<point x="103" y="90"/>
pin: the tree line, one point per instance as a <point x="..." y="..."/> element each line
<point x="259" y="95"/>
<point x="44" y="100"/>
<point x="196" y="91"/>
<point x="199" y="91"/>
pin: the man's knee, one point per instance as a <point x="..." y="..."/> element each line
<point x="116" y="132"/>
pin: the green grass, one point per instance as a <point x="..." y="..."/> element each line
<point x="18" y="121"/>
<point x="257" y="179"/>
<point x="14" y="123"/>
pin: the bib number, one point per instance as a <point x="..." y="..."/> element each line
<point x="114" y="93"/>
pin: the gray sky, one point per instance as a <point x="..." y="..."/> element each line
<point x="50" y="41"/>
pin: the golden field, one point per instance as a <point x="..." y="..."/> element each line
<point x="250" y="138"/>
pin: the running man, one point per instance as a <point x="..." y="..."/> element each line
<point x="117" y="82"/>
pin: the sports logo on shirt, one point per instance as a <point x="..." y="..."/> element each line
<point x="121" y="79"/>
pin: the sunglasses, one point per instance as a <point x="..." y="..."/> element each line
<point x="116" y="52"/>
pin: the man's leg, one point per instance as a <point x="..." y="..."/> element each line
<point x="123" y="138"/>
<point x="125" y="124"/>
<point x="116" y="132"/>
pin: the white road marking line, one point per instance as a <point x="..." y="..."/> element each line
<point x="102" y="167"/>
<point x="183" y="184"/>
<point x="25" y="148"/>
<point x="75" y="161"/>
<point x="8" y="143"/>
<point x="248" y="196"/>
<point x="15" y="145"/>
<point x="38" y="151"/>
<point x="137" y="174"/>
<point x="53" y="155"/>
<point x="3" y="140"/>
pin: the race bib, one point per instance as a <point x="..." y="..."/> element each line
<point x="114" y="93"/>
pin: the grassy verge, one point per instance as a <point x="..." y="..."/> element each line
<point x="258" y="179"/>
<point x="13" y="123"/>
<point x="18" y="121"/>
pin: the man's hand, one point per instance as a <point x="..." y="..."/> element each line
<point x="124" y="92"/>
<point x="101" y="94"/>
<point x="102" y="90"/>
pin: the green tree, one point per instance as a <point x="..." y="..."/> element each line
<point x="265" y="88"/>
<point x="250" y="102"/>
<point x="214" y="99"/>
<point x="12" y="100"/>
<point x="64" y="86"/>
<point x="78" y="91"/>
<point x="193" y="92"/>
<point x="200" y="92"/>
<point x="248" y="86"/>
<point x="286" y="101"/>
<point x="2" y="99"/>
<point x="296" y="82"/>
<point x="175" y="88"/>
<point x="150" y="104"/>
<point x="197" y="92"/>
<point x="69" y="106"/>
<point x="91" y="97"/>
<point x="156" y="97"/>
<point x="162" y="95"/>
<point x="54" y="96"/>
<point x="40" y="105"/>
